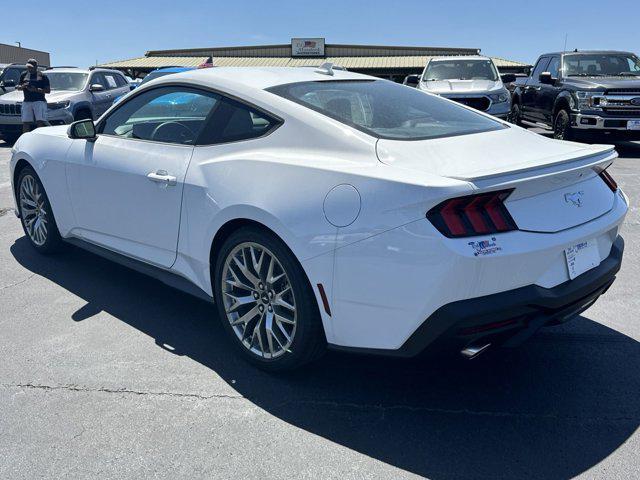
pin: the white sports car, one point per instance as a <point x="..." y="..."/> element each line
<point x="319" y="207"/>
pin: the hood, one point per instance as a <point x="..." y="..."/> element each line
<point x="483" y="155"/>
<point x="603" y="82"/>
<point x="55" y="96"/>
<point x="461" y="86"/>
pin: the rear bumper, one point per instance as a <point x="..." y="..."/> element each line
<point x="507" y="317"/>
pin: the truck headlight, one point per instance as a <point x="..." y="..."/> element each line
<point x="499" y="97"/>
<point x="589" y="100"/>
<point x="58" y="105"/>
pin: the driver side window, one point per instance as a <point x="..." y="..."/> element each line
<point x="166" y="114"/>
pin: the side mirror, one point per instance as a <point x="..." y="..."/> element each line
<point x="546" y="78"/>
<point x="412" y="80"/>
<point x="96" y="87"/>
<point x="82" y="129"/>
<point x="508" y="78"/>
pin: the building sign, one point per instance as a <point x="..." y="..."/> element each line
<point x="307" y="47"/>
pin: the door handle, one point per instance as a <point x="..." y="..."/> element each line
<point x="161" y="176"/>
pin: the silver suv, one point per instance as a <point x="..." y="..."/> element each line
<point x="471" y="80"/>
<point x="75" y="94"/>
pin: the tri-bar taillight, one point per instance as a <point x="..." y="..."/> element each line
<point x="608" y="179"/>
<point x="473" y="215"/>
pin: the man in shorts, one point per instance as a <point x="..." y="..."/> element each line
<point x="35" y="85"/>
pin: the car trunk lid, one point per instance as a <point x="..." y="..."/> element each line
<point x="556" y="184"/>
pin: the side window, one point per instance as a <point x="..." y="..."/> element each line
<point x="554" y="67"/>
<point x="110" y="78"/>
<point x="97" y="78"/>
<point x="235" y="121"/>
<point x="541" y="66"/>
<point x="166" y="114"/>
<point x="120" y="81"/>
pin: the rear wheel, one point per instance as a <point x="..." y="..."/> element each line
<point x="562" y="126"/>
<point x="265" y="301"/>
<point x="37" y="218"/>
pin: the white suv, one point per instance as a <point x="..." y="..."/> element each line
<point x="471" y="80"/>
<point x="75" y="94"/>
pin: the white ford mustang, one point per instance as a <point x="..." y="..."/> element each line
<point x="319" y="207"/>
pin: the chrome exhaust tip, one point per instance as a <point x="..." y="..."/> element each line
<point x="473" y="351"/>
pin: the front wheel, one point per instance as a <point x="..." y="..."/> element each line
<point x="562" y="126"/>
<point x="265" y="301"/>
<point x="515" y="115"/>
<point x="36" y="215"/>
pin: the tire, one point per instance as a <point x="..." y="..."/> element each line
<point x="251" y="301"/>
<point x="515" y="115"/>
<point x="562" y="126"/>
<point x="38" y="223"/>
<point x="83" y="114"/>
<point x="10" y="138"/>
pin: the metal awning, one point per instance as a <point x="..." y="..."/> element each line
<point x="350" y="63"/>
<point x="156" y="62"/>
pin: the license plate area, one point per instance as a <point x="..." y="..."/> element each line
<point x="633" y="125"/>
<point x="582" y="257"/>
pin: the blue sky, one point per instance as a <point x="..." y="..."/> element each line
<point x="82" y="32"/>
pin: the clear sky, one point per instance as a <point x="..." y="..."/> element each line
<point x="83" y="32"/>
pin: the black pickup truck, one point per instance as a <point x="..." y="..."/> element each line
<point x="586" y="91"/>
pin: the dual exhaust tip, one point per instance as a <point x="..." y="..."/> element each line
<point x="472" y="351"/>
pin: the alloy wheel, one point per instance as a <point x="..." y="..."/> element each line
<point x="258" y="300"/>
<point x="33" y="210"/>
<point x="561" y="126"/>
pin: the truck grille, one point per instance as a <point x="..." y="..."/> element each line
<point x="10" y="108"/>
<point x="479" y="103"/>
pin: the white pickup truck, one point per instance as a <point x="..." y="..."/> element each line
<point x="471" y="80"/>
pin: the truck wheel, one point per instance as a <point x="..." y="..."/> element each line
<point x="562" y="126"/>
<point x="83" y="114"/>
<point x="515" y="115"/>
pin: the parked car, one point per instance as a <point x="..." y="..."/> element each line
<point x="75" y="94"/>
<point x="10" y="75"/>
<point x="587" y="91"/>
<point x="161" y="72"/>
<point x="321" y="207"/>
<point x="471" y="80"/>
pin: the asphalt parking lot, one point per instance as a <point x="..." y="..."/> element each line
<point x="106" y="373"/>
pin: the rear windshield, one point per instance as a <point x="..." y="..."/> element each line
<point x="386" y="109"/>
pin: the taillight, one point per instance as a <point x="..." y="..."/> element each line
<point x="608" y="179"/>
<point x="473" y="215"/>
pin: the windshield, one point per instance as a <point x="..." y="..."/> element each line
<point x="460" y="70"/>
<point x="600" y="65"/>
<point x="67" y="80"/>
<point x="153" y="76"/>
<point x="11" y="75"/>
<point x="386" y="109"/>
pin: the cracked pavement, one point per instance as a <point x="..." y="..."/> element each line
<point x="106" y="373"/>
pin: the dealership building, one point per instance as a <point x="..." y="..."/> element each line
<point x="390" y="62"/>
<point x="18" y="54"/>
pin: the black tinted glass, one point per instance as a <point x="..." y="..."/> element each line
<point x="386" y="109"/>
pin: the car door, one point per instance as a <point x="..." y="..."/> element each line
<point x="101" y="99"/>
<point x="530" y="108"/>
<point x="548" y="93"/>
<point x="126" y="186"/>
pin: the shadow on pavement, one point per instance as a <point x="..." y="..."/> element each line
<point x="552" y="409"/>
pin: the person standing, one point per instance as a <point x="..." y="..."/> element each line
<point x="35" y="85"/>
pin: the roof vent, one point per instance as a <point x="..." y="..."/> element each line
<point x="326" y="69"/>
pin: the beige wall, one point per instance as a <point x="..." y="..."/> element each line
<point x="13" y="54"/>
